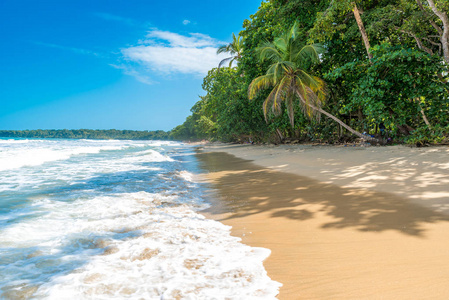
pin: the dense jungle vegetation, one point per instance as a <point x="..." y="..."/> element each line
<point x="87" y="134"/>
<point x="330" y="71"/>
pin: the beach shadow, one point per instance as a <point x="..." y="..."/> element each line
<point x="246" y="189"/>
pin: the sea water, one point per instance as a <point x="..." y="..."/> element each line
<point x="90" y="219"/>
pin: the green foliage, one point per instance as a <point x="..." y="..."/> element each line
<point x="87" y="134"/>
<point x="394" y="87"/>
<point x="403" y="87"/>
<point x="425" y="136"/>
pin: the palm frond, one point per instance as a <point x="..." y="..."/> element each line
<point x="225" y="61"/>
<point x="303" y="91"/>
<point x="288" y="67"/>
<point x="274" y="71"/>
<point x="316" y="84"/>
<point x="309" y="52"/>
<point x="233" y="48"/>
<point x="258" y="84"/>
<point x="268" y="51"/>
<point x="308" y="79"/>
<point x="294" y="30"/>
<point x="223" y="49"/>
<point x="281" y="43"/>
<point x="282" y="91"/>
<point x="268" y="101"/>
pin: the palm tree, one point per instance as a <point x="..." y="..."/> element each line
<point x="234" y="48"/>
<point x="289" y="80"/>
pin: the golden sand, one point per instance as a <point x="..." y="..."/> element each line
<point x="332" y="241"/>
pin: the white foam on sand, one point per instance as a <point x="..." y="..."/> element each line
<point x="80" y="226"/>
<point x="138" y="245"/>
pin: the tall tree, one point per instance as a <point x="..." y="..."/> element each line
<point x="289" y="79"/>
<point x="362" y="29"/>
<point x="443" y="30"/>
<point x="326" y="24"/>
<point x="234" y="48"/>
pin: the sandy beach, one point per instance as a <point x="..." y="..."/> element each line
<point x="341" y="222"/>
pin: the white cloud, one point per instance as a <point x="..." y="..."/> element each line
<point x="172" y="39"/>
<point x="169" y="52"/>
<point x="186" y="22"/>
<point x="127" y="70"/>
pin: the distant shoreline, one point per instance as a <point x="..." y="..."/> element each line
<point x="95" y="134"/>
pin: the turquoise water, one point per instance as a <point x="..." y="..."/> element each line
<point x="88" y="219"/>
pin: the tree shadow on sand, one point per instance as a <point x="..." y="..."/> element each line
<point x="247" y="189"/>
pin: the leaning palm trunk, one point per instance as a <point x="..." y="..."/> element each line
<point x="322" y="111"/>
<point x="362" y="30"/>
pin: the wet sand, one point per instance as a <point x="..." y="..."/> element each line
<point x="331" y="238"/>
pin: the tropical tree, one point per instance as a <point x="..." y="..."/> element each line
<point x="326" y="25"/>
<point x="289" y="79"/>
<point x="234" y="48"/>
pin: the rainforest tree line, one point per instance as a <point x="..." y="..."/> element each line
<point x="330" y="71"/>
<point x="87" y="134"/>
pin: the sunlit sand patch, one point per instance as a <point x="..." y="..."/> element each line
<point x="431" y="195"/>
<point x="442" y="166"/>
<point x="401" y="175"/>
<point x="218" y="175"/>
<point x="193" y="264"/>
<point x="259" y="198"/>
<point x="431" y="178"/>
<point x="110" y="250"/>
<point x="301" y="188"/>
<point x="92" y="278"/>
<point x="280" y="166"/>
<point x="359" y="192"/>
<point x="127" y="291"/>
<point x="104" y="289"/>
<point x="147" y="253"/>
<point x="352" y="172"/>
<point x="373" y="177"/>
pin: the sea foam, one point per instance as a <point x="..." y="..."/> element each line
<point x="114" y="220"/>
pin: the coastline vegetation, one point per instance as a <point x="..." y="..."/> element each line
<point x="380" y="69"/>
<point x="87" y="134"/>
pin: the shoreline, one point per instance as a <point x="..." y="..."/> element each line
<point x="351" y="229"/>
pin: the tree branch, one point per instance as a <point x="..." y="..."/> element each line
<point x="444" y="38"/>
<point x="438" y="28"/>
<point x="417" y="39"/>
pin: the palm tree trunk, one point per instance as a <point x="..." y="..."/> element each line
<point x="281" y="137"/>
<point x="319" y="109"/>
<point x="353" y="131"/>
<point x="362" y="29"/>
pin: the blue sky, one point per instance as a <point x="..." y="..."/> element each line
<point x="101" y="64"/>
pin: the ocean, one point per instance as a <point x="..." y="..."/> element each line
<point x="109" y="219"/>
